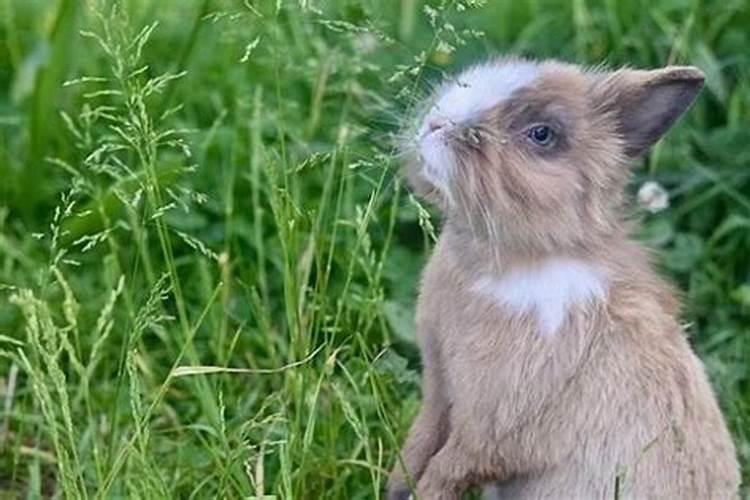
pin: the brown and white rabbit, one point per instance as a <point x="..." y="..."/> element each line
<point x="554" y="362"/>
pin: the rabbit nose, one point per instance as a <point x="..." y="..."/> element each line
<point x="430" y="127"/>
<point x="434" y="125"/>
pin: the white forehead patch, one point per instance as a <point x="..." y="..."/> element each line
<point x="547" y="291"/>
<point x="481" y="88"/>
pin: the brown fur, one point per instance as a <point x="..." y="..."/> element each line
<point x="616" y="400"/>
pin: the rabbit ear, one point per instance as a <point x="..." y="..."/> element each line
<point x="647" y="103"/>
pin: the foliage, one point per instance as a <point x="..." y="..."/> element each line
<point x="208" y="260"/>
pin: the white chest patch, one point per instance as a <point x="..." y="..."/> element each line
<point x="547" y="291"/>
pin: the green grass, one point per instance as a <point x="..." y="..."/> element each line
<point x="208" y="260"/>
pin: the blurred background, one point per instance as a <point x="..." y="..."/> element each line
<point x="208" y="261"/>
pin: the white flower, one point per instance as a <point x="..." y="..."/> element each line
<point x="653" y="197"/>
<point x="366" y="43"/>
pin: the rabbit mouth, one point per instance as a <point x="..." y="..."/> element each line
<point x="437" y="158"/>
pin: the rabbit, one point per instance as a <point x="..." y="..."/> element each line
<point x="554" y="362"/>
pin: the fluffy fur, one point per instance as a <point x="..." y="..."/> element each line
<point x="554" y="362"/>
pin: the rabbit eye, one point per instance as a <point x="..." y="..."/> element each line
<point x="541" y="135"/>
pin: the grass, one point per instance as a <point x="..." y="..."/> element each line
<point x="208" y="260"/>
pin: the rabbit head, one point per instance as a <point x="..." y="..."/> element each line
<point x="536" y="154"/>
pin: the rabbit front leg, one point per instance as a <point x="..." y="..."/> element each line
<point x="425" y="438"/>
<point x="452" y="471"/>
<point x="428" y="433"/>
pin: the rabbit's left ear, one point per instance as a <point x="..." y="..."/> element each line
<point x="647" y="103"/>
